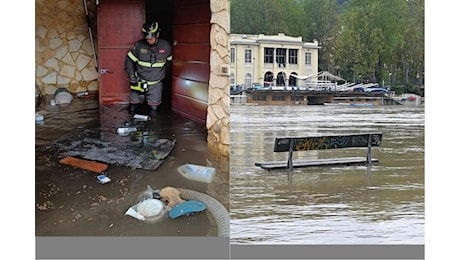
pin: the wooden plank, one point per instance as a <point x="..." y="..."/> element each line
<point x="314" y="162"/>
<point x="84" y="164"/>
<point x="326" y="142"/>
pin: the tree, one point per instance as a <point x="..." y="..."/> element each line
<point x="413" y="50"/>
<point x="266" y="17"/>
<point x="321" y="19"/>
<point x="372" y="39"/>
<point x="358" y="43"/>
<point x="357" y="37"/>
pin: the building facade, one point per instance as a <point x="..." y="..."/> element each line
<point x="258" y="61"/>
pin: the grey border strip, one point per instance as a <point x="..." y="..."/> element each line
<point x="208" y="248"/>
<point x="327" y="252"/>
<point x="132" y="248"/>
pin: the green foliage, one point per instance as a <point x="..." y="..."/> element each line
<point x="267" y="17"/>
<point x="358" y="37"/>
<point x="321" y="19"/>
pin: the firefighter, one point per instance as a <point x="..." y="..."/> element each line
<point x="145" y="65"/>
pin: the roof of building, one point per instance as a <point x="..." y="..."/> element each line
<point x="281" y="38"/>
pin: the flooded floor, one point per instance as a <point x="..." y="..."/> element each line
<point x="328" y="205"/>
<point x="69" y="201"/>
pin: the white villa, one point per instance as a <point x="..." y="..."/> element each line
<point x="271" y="60"/>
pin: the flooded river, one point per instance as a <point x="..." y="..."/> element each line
<point x="328" y="205"/>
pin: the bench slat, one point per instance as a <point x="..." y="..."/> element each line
<point x="315" y="162"/>
<point x="326" y="142"/>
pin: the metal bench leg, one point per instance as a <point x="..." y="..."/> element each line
<point x="291" y="149"/>
<point x="369" y="154"/>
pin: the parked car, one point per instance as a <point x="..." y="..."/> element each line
<point x="376" y="90"/>
<point x="256" y="86"/>
<point x="358" y="89"/>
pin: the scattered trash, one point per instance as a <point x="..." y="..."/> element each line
<point x="39" y="117"/>
<point x="103" y="179"/>
<point x="88" y="144"/>
<point x="133" y="213"/>
<point x="197" y="172"/>
<point x="53" y="102"/>
<point x="82" y="93"/>
<point x="186" y="208"/>
<point x="149" y="207"/>
<point x="126" y="130"/>
<point x="141" y="117"/>
<point x="62" y="96"/>
<point x="171" y="196"/>
<point x="84" y="164"/>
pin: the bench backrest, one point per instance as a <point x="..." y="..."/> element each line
<point x="326" y="142"/>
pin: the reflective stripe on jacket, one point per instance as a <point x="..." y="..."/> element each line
<point x="148" y="62"/>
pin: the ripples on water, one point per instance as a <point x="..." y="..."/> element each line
<point x="327" y="205"/>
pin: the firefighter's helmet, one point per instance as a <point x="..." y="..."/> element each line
<point x="151" y="29"/>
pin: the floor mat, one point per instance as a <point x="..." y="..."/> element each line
<point x="139" y="150"/>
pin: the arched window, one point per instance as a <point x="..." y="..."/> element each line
<point x="268" y="79"/>
<point x="281" y="79"/>
<point x="248" y="80"/>
<point x="292" y="79"/>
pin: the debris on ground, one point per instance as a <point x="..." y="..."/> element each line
<point x="90" y="145"/>
<point x="171" y="196"/>
<point x="153" y="205"/>
<point x="149" y="207"/>
<point x="84" y="164"/>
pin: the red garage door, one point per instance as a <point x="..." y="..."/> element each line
<point x="191" y="66"/>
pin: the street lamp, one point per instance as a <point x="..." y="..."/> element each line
<point x="389" y="84"/>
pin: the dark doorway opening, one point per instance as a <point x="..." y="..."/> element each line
<point x="162" y="12"/>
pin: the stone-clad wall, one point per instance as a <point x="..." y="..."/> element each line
<point x="218" y="118"/>
<point x="64" y="55"/>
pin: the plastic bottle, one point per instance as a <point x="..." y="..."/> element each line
<point x="197" y="172"/>
<point x="125" y="130"/>
<point x="81" y="94"/>
<point x="39" y="117"/>
<point x="141" y="117"/>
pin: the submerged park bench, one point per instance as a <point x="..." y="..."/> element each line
<point x="293" y="144"/>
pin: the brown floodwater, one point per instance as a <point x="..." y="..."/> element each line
<point x="69" y="201"/>
<point x="328" y="205"/>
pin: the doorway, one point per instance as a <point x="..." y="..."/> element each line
<point x="185" y="24"/>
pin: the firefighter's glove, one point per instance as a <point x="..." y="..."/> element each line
<point x="135" y="84"/>
<point x="133" y="80"/>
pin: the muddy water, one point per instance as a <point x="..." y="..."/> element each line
<point x="327" y="205"/>
<point x="70" y="202"/>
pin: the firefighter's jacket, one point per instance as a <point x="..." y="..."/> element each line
<point x="148" y="62"/>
